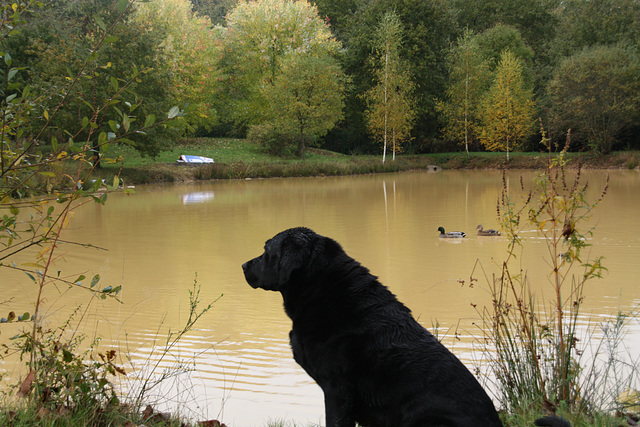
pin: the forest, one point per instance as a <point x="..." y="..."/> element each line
<point x="416" y="76"/>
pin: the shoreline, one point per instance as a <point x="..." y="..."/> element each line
<point x="358" y="165"/>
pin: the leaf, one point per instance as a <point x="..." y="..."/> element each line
<point x="54" y="144"/>
<point x="111" y="39"/>
<point x="25" y="387"/>
<point x="126" y="123"/>
<point x="12" y="73"/>
<point x="122" y="5"/>
<point x="114" y="83"/>
<point x="32" y="264"/>
<point x="174" y="112"/>
<point x="95" y="280"/>
<point x="150" y="120"/>
<point x="100" y="23"/>
<point x="79" y="279"/>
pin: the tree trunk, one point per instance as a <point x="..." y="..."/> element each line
<point x="301" y="146"/>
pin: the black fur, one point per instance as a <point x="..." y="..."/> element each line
<point x="375" y="364"/>
<point x="552" y="421"/>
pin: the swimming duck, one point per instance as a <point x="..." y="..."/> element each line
<point x="451" y="234"/>
<point x="489" y="232"/>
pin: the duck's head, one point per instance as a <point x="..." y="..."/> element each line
<point x="441" y="230"/>
<point x="479" y="227"/>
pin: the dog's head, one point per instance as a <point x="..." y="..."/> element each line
<point x="288" y="252"/>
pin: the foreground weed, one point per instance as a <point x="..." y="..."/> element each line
<point x="539" y="348"/>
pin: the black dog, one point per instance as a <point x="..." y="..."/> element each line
<point x="375" y="364"/>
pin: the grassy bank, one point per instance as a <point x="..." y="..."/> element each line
<point x="239" y="159"/>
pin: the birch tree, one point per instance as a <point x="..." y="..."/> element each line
<point x="469" y="80"/>
<point x="507" y="116"/>
<point x="390" y="107"/>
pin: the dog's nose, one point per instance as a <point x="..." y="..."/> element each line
<point x="244" y="267"/>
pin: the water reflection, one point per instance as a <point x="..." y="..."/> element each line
<point x="197" y="197"/>
<point x="165" y="237"/>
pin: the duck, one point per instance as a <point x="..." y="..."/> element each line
<point x="489" y="232"/>
<point x="451" y="234"/>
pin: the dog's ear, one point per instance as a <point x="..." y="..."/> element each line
<point x="295" y="253"/>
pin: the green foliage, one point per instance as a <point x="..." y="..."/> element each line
<point x="493" y="42"/>
<point x="75" y="48"/>
<point x="586" y="24"/>
<point x="306" y="98"/>
<point x="272" y="141"/>
<point x="535" y="20"/>
<point x="428" y="28"/>
<point x="258" y="37"/>
<point x="65" y="376"/>
<point x="390" y="111"/>
<point x="596" y="93"/>
<point x="216" y="10"/>
<point x="469" y="79"/>
<point x="507" y="114"/>
<point x="188" y="53"/>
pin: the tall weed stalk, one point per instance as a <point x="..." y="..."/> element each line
<point x="537" y="342"/>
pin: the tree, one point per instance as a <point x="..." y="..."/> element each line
<point x="535" y="20"/>
<point x="52" y="46"/>
<point x="429" y="27"/>
<point x="508" y="108"/>
<point x="494" y="41"/>
<point x="306" y="97"/>
<point x="258" y="36"/>
<point x="188" y="53"/>
<point x="390" y="111"/>
<point x="468" y="81"/>
<point x="596" y="93"/>
<point x="590" y="23"/>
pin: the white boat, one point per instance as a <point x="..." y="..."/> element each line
<point x="185" y="158"/>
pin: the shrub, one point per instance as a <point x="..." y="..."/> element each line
<point x="273" y="142"/>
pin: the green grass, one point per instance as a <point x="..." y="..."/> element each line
<point x="240" y="159"/>
<point x="221" y="150"/>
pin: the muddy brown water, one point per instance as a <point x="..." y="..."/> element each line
<point x="164" y="237"/>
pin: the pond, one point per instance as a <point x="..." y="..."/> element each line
<point x="163" y="238"/>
